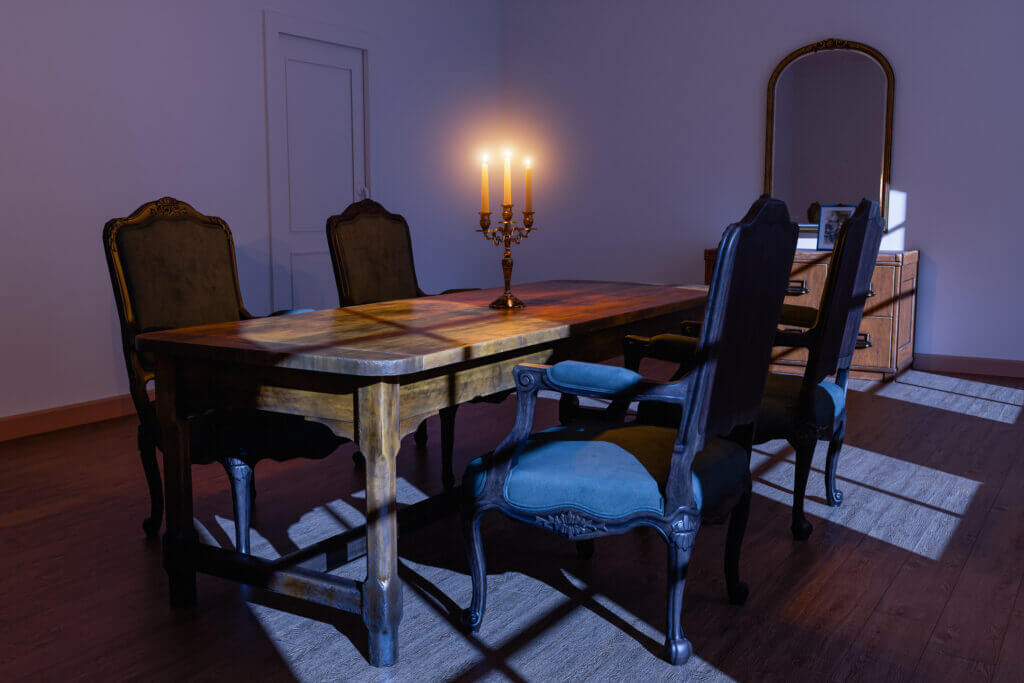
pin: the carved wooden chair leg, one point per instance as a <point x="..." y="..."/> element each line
<point x="677" y="647"/>
<point x="738" y="591"/>
<point x="801" y="528"/>
<point x="447" y="416"/>
<point x="421" y="435"/>
<point x="833" y="495"/>
<point x="585" y="549"/>
<point x="147" y="453"/>
<point x="472" y="617"/>
<point x="240" y="474"/>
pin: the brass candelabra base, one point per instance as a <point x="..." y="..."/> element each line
<point x="505" y="236"/>
<point x="508" y="302"/>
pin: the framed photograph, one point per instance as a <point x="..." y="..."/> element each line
<point x="832" y="218"/>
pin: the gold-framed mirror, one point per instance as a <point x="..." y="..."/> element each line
<point x="828" y="136"/>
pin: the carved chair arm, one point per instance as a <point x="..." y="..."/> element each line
<point x="596" y="380"/>
<point x="801" y="316"/>
<point x="673" y="348"/>
<point x="691" y="328"/>
<point x="788" y="337"/>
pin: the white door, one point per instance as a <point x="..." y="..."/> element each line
<point x="317" y="154"/>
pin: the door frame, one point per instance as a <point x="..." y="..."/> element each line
<point x="275" y="24"/>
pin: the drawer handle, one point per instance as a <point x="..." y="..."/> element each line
<point x="797" y="288"/>
<point x="864" y="341"/>
<point x="871" y="292"/>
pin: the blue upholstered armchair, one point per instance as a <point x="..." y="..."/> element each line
<point x="584" y="482"/>
<point x="799" y="409"/>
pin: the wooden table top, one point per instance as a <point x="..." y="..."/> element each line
<point x="412" y="335"/>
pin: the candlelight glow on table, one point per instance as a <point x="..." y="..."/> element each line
<point x="508" y="232"/>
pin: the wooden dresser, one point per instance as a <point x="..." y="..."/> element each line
<point x="885" y="347"/>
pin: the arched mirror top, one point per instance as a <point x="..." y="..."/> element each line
<point x="828" y="137"/>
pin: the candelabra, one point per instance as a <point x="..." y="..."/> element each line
<point x="506" y="235"/>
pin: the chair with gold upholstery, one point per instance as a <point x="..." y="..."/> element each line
<point x="172" y="267"/>
<point x="371" y="251"/>
<point x="584" y="481"/>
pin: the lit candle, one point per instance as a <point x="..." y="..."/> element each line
<point x="528" y="185"/>
<point x="484" y="194"/>
<point x="506" y="197"/>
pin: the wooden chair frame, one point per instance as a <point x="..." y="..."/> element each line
<point x="139" y="377"/>
<point x="370" y="208"/>
<point x="831" y="340"/>
<point x="714" y="399"/>
<point x="238" y="469"/>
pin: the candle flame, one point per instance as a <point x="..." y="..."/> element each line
<point x="528" y="161"/>
<point x="484" y="157"/>
<point x="508" y="154"/>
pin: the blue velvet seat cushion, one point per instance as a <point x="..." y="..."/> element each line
<point x="593" y="377"/>
<point x="612" y="473"/>
<point x="778" y="407"/>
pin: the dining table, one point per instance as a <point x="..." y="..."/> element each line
<point x="371" y="374"/>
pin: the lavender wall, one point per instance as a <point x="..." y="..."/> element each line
<point x="648" y="121"/>
<point x="645" y="119"/>
<point x="108" y="105"/>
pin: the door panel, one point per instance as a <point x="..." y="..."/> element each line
<point x="317" y="152"/>
<point x="319" y="133"/>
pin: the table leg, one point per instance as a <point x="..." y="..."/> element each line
<point x="176" y="433"/>
<point x="378" y="436"/>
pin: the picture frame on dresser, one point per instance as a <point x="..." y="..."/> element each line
<point x="830" y="220"/>
<point x="885" y="343"/>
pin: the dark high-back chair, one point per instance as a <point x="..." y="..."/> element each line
<point x="171" y="266"/>
<point x="806" y="409"/>
<point x="592" y="480"/>
<point x="803" y="409"/>
<point x="372" y="255"/>
<point x="371" y="251"/>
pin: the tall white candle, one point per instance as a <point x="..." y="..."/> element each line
<point x="528" y="186"/>
<point x="506" y="197"/>
<point x="484" y="190"/>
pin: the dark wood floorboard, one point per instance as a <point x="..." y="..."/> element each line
<point x="918" y="576"/>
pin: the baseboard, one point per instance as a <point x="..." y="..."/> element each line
<point x="62" y="417"/>
<point x="997" y="367"/>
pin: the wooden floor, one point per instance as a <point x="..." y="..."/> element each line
<point x="917" y="576"/>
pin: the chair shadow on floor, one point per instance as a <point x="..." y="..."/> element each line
<point x="791" y="612"/>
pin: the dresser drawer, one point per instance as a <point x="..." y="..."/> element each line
<point x="875" y="338"/>
<point x="806" y="283"/>
<point x="877" y="333"/>
<point x="888" y="314"/>
<point x="881" y="299"/>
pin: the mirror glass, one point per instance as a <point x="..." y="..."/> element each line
<point x="829" y="131"/>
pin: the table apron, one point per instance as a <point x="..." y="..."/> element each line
<point x="331" y="399"/>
